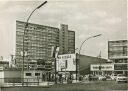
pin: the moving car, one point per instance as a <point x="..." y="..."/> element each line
<point x="121" y="78"/>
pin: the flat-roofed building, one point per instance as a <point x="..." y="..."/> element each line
<point x="4" y="64"/>
<point x="118" y="53"/>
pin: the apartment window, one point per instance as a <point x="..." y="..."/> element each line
<point x="28" y="74"/>
<point x="37" y="74"/>
<point x="120" y="67"/>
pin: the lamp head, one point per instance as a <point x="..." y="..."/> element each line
<point x="97" y="35"/>
<point x="41" y="4"/>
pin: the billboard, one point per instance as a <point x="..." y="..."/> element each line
<point x="66" y="62"/>
<point x="103" y="67"/>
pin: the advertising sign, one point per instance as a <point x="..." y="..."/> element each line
<point x="103" y="67"/>
<point x="66" y="62"/>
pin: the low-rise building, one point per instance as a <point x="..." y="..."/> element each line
<point x="10" y="76"/>
<point x="66" y="66"/>
<point x="34" y="76"/>
<point x="85" y="62"/>
<point x="27" y="77"/>
<point x="4" y="63"/>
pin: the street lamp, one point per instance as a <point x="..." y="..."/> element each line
<point x="26" y="25"/>
<point x="88" y="39"/>
<point x="78" y="54"/>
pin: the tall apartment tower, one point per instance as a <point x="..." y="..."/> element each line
<point x="66" y="40"/>
<point x="40" y="39"/>
<point x="118" y="53"/>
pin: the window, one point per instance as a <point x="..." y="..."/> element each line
<point x="28" y="74"/>
<point x="37" y="74"/>
<point x="120" y="67"/>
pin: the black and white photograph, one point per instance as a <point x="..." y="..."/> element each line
<point x="63" y="45"/>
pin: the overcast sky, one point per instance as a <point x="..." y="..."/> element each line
<point x="85" y="17"/>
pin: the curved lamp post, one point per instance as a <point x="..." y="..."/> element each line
<point x="80" y="50"/>
<point x="88" y="39"/>
<point x="26" y="25"/>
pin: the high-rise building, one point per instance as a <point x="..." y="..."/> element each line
<point x="39" y="40"/>
<point x="118" y="53"/>
<point x="66" y="40"/>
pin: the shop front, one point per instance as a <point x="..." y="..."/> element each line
<point x="66" y="67"/>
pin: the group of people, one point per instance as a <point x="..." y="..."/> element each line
<point x="64" y="78"/>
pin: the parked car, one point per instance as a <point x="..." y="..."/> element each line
<point x="86" y="77"/>
<point x="101" y="77"/>
<point x="108" y="78"/>
<point x="121" y="78"/>
<point x="93" y="78"/>
<point x="113" y="76"/>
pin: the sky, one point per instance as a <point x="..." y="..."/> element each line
<point x="85" y="17"/>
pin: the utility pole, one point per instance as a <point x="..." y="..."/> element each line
<point x="56" y="51"/>
<point x="100" y="62"/>
<point x="77" y="59"/>
<point x="55" y="72"/>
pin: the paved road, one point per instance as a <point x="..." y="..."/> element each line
<point x="87" y="86"/>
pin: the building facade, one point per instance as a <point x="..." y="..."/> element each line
<point x="86" y="62"/>
<point x="118" y="53"/>
<point x="66" y="40"/>
<point x="4" y="64"/>
<point x="66" y="67"/>
<point x="39" y="40"/>
<point x="31" y="77"/>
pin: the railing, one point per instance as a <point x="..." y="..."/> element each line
<point x="7" y="82"/>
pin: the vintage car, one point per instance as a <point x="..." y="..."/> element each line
<point x="121" y="78"/>
<point x="113" y="76"/>
<point x="101" y="77"/>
